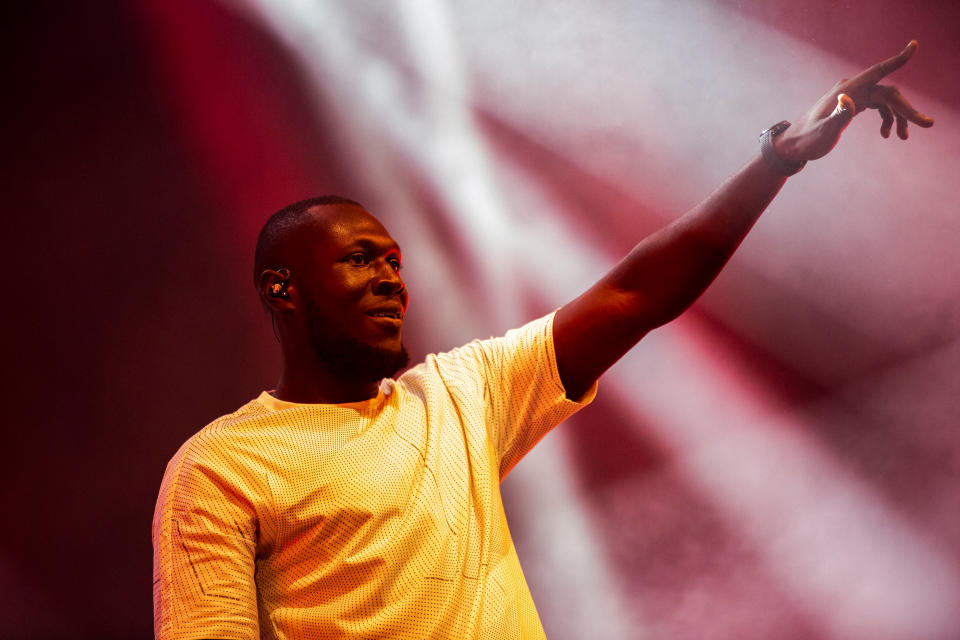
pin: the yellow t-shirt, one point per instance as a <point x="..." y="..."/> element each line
<point x="374" y="519"/>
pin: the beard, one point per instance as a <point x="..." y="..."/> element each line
<point x="348" y="358"/>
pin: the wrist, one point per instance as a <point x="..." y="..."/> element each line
<point x="779" y="150"/>
<point x="785" y="146"/>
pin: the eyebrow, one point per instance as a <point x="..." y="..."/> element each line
<point x="374" y="246"/>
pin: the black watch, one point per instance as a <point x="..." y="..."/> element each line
<point x="775" y="162"/>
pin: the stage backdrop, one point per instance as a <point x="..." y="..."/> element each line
<point x="780" y="462"/>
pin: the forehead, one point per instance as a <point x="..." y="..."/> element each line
<point x="340" y="226"/>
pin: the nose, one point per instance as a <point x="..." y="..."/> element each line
<point x="389" y="283"/>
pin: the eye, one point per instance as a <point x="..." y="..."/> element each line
<point x="395" y="263"/>
<point x="357" y="258"/>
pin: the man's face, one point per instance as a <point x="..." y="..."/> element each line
<point x="354" y="299"/>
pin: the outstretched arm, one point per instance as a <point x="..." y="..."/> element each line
<point x="669" y="269"/>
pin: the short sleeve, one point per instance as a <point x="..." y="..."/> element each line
<point x="523" y="394"/>
<point x="204" y="544"/>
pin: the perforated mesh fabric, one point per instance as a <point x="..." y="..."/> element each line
<point x="375" y="519"/>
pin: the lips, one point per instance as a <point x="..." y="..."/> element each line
<point x="397" y="315"/>
<point x="390" y="313"/>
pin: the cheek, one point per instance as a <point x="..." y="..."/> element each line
<point x="348" y="285"/>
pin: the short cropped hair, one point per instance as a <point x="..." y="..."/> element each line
<point x="280" y="225"/>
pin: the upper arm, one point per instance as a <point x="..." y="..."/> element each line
<point x="593" y="331"/>
<point x="204" y="537"/>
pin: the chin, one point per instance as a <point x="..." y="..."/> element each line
<point x="361" y="358"/>
<point x="351" y="359"/>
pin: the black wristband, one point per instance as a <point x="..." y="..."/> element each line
<point x="774" y="161"/>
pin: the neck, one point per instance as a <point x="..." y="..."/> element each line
<point x="306" y="380"/>
<point x="318" y="391"/>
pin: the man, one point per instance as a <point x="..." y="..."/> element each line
<point x="346" y="504"/>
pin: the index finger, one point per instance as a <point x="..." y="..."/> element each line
<point x="875" y="73"/>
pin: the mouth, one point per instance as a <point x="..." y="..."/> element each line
<point x="387" y="317"/>
<point x="396" y="315"/>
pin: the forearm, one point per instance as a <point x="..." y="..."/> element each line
<point x="668" y="270"/>
<point x="659" y="278"/>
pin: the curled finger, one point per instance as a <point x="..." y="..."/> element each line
<point x="891" y="96"/>
<point x="887" y="116"/>
<point x="902" y="132"/>
<point x="901" y="106"/>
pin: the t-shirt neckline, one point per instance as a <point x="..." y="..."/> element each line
<point x="276" y="404"/>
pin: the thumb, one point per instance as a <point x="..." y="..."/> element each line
<point x="843" y="114"/>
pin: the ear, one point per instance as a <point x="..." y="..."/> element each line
<point x="276" y="289"/>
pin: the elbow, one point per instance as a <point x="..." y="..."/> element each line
<point x="652" y="309"/>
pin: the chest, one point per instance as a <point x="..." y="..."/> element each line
<point x="409" y="479"/>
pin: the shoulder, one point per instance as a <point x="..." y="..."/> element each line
<point x="217" y="445"/>
<point x="472" y="365"/>
<point x="534" y="337"/>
